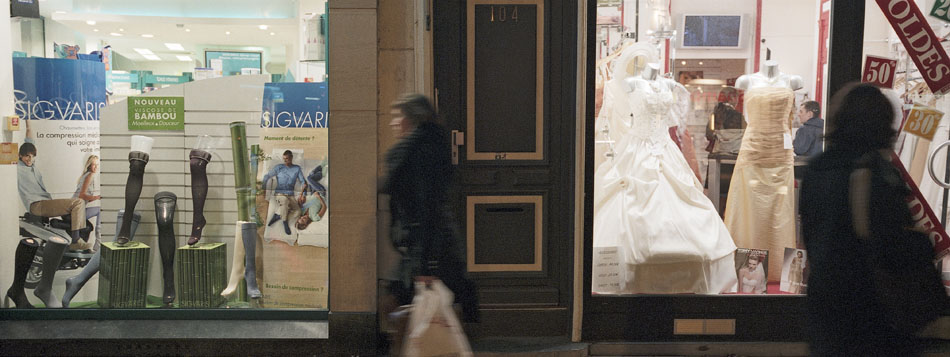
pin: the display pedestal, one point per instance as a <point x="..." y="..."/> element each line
<point x="123" y="275"/>
<point x="201" y="274"/>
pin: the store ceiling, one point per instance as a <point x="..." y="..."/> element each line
<point x="125" y="32"/>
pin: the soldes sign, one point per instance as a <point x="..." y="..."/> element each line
<point x="921" y="43"/>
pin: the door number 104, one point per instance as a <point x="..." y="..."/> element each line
<point x="504" y="13"/>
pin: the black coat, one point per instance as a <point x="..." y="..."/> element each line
<point x="419" y="177"/>
<point x="846" y="316"/>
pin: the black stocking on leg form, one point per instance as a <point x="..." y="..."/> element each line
<point x="133" y="189"/>
<point x="199" y="192"/>
<point x="165" y="204"/>
<point x="23" y="259"/>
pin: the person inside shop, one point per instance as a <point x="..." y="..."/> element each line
<point x="724" y="131"/>
<point x="287" y="175"/>
<point x="866" y="295"/>
<point x="808" y="139"/>
<point x="423" y="230"/>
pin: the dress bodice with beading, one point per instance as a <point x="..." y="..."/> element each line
<point x="650" y="106"/>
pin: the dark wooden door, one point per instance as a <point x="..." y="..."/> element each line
<point x="505" y="84"/>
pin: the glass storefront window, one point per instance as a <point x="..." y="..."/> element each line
<point x="703" y="130"/>
<point x="684" y="138"/>
<point x="169" y="156"/>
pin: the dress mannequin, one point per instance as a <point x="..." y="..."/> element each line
<point x="769" y="76"/>
<point x="760" y="210"/>
<point x="650" y="205"/>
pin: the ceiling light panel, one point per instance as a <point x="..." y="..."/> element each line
<point x="148" y="35"/>
<point x="175" y="46"/>
<point x="144" y="51"/>
<point x="152" y="57"/>
<point x="184" y="58"/>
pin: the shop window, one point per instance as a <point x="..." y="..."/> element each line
<point x="169" y="157"/>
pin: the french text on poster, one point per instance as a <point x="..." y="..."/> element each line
<point x="157" y="113"/>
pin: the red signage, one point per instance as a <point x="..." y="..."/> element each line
<point x="921" y="43"/>
<point x="879" y="71"/>
<point x="924" y="217"/>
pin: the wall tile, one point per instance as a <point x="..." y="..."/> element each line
<point x="353" y="59"/>
<point x="353" y="156"/>
<point x="352" y="261"/>
<point x="396" y="24"/>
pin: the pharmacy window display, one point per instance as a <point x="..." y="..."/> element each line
<point x="705" y="118"/>
<point x="136" y="189"/>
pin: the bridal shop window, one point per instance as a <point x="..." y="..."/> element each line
<point x="701" y="107"/>
<point x="162" y="159"/>
<point x="706" y="116"/>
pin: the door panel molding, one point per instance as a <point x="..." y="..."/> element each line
<point x="536" y="200"/>
<point x="538" y="153"/>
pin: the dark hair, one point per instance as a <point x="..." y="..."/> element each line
<point x="27" y="149"/>
<point x="861" y="116"/>
<point x="416" y="107"/>
<point x="812" y="106"/>
<point x="288" y="152"/>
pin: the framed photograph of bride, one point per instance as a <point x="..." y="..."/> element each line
<point x="793" y="271"/>
<point x="752" y="270"/>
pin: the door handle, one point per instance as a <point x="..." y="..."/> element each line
<point x="458" y="139"/>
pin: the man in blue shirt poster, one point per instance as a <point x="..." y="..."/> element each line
<point x="287" y="176"/>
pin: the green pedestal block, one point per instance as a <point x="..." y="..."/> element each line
<point x="201" y="274"/>
<point x="123" y="275"/>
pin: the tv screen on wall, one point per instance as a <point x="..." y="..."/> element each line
<point x="712" y="31"/>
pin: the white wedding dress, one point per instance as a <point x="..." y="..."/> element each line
<point x="649" y="205"/>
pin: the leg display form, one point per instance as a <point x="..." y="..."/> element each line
<point x="165" y="204"/>
<point x="237" y="261"/>
<point x="52" y="255"/>
<point x="199" y="192"/>
<point x="75" y="283"/>
<point x="21" y="266"/>
<point x="249" y="237"/>
<point x="138" y="158"/>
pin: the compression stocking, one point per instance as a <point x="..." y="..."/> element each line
<point x="249" y="236"/>
<point x="133" y="189"/>
<point x="199" y="192"/>
<point x="21" y="266"/>
<point x="165" y="203"/>
<point x="52" y="255"/>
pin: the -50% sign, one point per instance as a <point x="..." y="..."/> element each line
<point x="922" y="121"/>
<point x="879" y="71"/>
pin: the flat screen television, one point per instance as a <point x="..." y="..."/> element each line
<point x="712" y="31"/>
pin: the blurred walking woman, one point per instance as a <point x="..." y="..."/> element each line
<point x="857" y="228"/>
<point x="418" y="179"/>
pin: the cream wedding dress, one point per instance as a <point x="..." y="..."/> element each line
<point x="650" y="206"/>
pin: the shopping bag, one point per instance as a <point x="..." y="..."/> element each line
<point x="434" y="330"/>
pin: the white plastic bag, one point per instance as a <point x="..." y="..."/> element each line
<point x="434" y="330"/>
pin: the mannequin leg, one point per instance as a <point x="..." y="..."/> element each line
<point x="21" y="266"/>
<point x="165" y="204"/>
<point x="199" y="192"/>
<point x="133" y="189"/>
<point x="249" y="236"/>
<point x="75" y="283"/>
<point x="52" y="255"/>
<point x="237" y="262"/>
